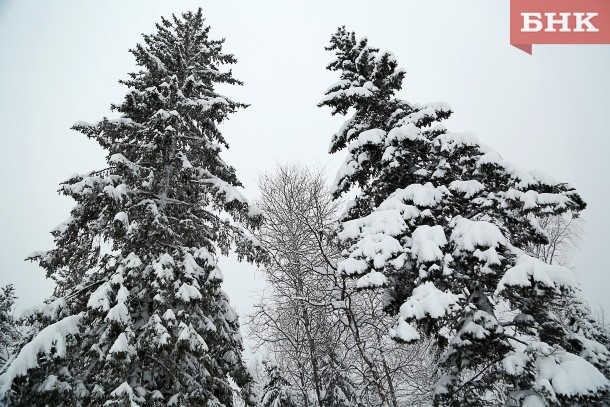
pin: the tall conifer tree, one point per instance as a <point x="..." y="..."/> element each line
<point x="138" y="317"/>
<point x="341" y="391"/>
<point x="276" y="391"/>
<point x="439" y="224"/>
<point x="9" y="331"/>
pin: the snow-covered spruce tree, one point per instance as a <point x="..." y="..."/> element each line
<point x="439" y="224"/>
<point x="9" y="332"/>
<point x="341" y="391"/>
<point x="276" y="391"/>
<point x="587" y="336"/>
<point x="145" y="322"/>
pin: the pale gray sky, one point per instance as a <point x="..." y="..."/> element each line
<point x="60" y="61"/>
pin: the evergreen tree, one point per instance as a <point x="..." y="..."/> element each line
<point x="138" y="316"/>
<point x="341" y="391"/>
<point x="586" y="336"/>
<point x="276" y="391"/>
<point x="9" y="332"/>
<point x="439" y="224"/>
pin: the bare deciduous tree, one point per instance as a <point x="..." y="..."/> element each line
<point x="307" y="312"/>
<point x="564" y="235"/>
<point x="290" y="317"/>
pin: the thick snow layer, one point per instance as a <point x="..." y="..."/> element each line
<point x="376" y="232"/>
<point x="394" y="204"/>
<point x="82" y="123"/>
<point x="371" y="280"/>
<point x="52" y="382"/>
<point x="389" y="222"/>
<point x="532" y="199"/>
<point x="191" y="267"/>
<point x="437" y="106"/>
<point x="343" y="83"/>
<point x="117" y="193"/>
<point x="426" y="110"/>
<point x="426" y="243"/>
<point x="99" y="299"/>
<point x="404" y="332"/>
<point x="191" y="336"/>
<point x="542" y="177"/>
<point x="204" y="254"/>
<point x="187" y="292"/>
<point x="428" y="301"/>
<point x="490" y="157"/>
<point x="161" y="336"/>
<point x="49" y="310"/>
<point x="521" y="175"/>
<point x="132" y="261"/>
<point x="215" y="275"/>
<point x="530" y="270"/>
<point x="169" y="315"/>
<point x="122" y="294"/>
<point x="228" y="191"/>
<point x="442" y="384"/>
<point x="468" y="188"/>
<point x="347" y="169"/>
<point x="476" y="327"/>
<point x="163" y="267"/>
<point x="121" y="159"/>
<point x="569" y="375"/>
<point x="489" y="256"/>
<point x="378" y="247"/>
<point x="120" y="345"/>
<point x="468" y="235"/>
<point x="119" y="314"/>
<point x="593" y="351"/>
<point x="451" y="141"/>
<point x="53" y="337"/>
<point x="352" y="266"/>
<point x="479" y="325"/>
<point x="515" y="363"/>
<point x="408" y="131"/>
<point x="421" y="195"/>
<point x="124" y="121"/>
<point x="346" y="89"/>
<point x="82" y="187"/>
<point x="373" y="136"/>
<point x="186" y="164"/>
<point x="122" y="217"/>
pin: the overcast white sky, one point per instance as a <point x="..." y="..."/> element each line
<point x="60" y="61"/>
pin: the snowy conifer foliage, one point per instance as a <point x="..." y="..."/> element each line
<point x="145" y="321"/>
<point x="8" y="326"/>
<point x="340" y="388"/>
<point x="276" y="391"/>
<point x="439" y="223"/>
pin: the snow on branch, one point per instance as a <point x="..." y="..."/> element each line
<point x="529" y="271"/>
<point x="51" y="338"/>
